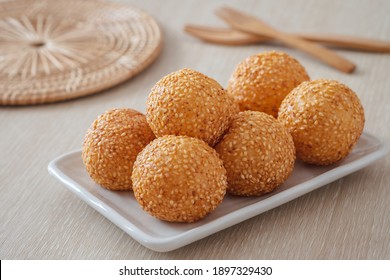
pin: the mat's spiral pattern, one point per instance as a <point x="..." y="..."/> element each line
<point x="56" y="50"/>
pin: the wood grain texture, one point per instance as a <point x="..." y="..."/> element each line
<point x="234" y="37"/>
<point x="348" y="219"/>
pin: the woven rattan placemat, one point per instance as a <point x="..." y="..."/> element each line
<point x="57" y="50"/>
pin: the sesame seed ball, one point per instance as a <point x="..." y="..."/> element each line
<point x="111" y="146"/>
<point x="179" y="179"/>
<point x="261" y="81"/>
<point x="235" y="108"/>
<point x="325" y="119"/>
<point x="257" y="152"/>
<point x="189" y="103"/>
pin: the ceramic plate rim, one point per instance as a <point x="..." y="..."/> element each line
<point x="176" y="241"/>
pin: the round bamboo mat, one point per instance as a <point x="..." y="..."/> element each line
<point x="57" y="50"/>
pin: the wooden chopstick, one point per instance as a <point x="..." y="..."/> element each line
<point x="247" y="23"/>
<point x="230" y="36"/>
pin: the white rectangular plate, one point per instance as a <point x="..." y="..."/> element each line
<point x="123" y="210"/>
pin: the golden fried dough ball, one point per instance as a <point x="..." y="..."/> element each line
<point x="325" y="119"/>
<point x="260" y="82"/>
<point x="189" y="103"/>
<point x="257" y="152"/>
<point x="111" y="146"/>
<point x="179" y="179"/>
<point x="235" y="108"/>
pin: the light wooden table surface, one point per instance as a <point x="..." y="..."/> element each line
<point x="347" y="219"/>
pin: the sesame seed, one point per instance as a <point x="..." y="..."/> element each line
<point x="261" y="81"/>
<point x="115" y="130"/>
<point x="337" y="113"/>
<point x="191" y="191"/>
<point x="269" y="154"/>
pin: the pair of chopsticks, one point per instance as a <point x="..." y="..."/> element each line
<point x="247" y="29"/>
